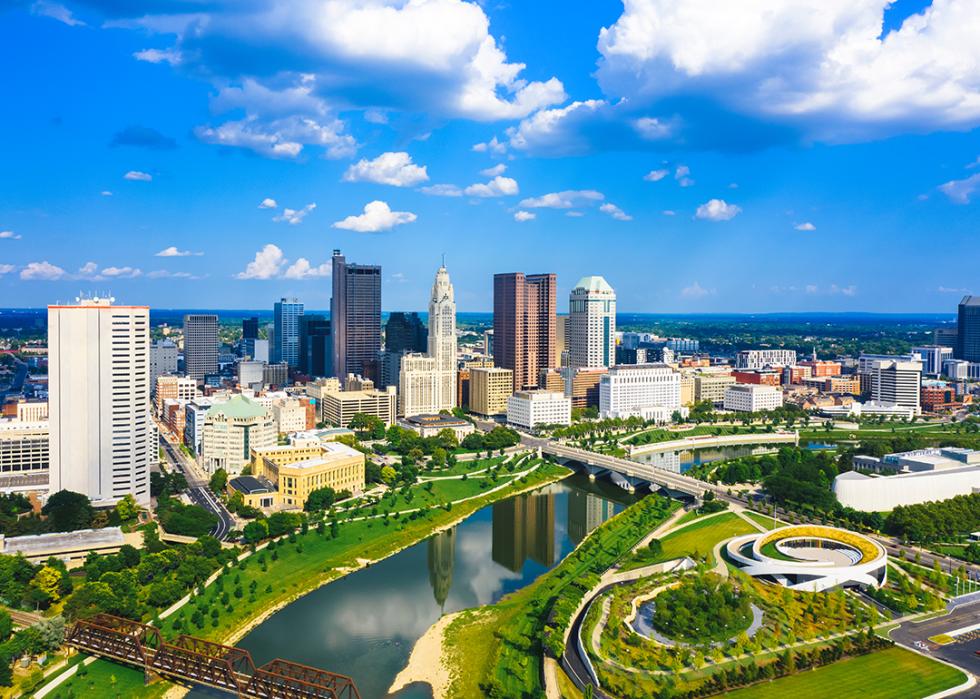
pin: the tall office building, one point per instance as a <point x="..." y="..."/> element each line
<point x="355" y="316"/>
<point x="561" y="341"/>
<point x="200" y="345"/>
<point x="968" y="329"/>
<point x="896" y="381"/>
<point x="250" y="328"/>
<point x="591" y="335"/>
<point x="163" y="360"/>
<point x="442" y="337"/>
<point x="285" y="317"/>
<point x="405" y="332"/>
<point x="419" y="383"/>
<point x="524" y="335"/>
<point x="315" y="348"/>
<point x="102" y="437"/>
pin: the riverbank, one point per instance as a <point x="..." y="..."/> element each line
<point x="426" y="665"/>
<point x="709" y="441"/>
<point x="501" y="646"/>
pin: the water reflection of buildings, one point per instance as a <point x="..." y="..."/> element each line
<point x="681" y="461"/>
<point x="524" y="527"/>
<point x="586" y="512"/>
<point x="442" y="553"/>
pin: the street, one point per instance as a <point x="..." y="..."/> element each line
<point x="198" y="490"/>
<point x="962" y="653"/>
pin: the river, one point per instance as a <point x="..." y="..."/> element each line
<point x="364" y="625"/>
<point x="683" y="460"/>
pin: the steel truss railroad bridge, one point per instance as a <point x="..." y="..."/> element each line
<point x="202" y="662"/>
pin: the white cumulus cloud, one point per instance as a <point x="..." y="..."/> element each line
<point x="695" y="291"/>
<point x="525" y="216"/>
<point x="55" y="10"/>
<point x="562" y="200"/>
<point x="294" y="216"/>
<point x="497" y="187"/>
<point x="268" y="203"/>
<point x="717" y="210"/>
<point x="497" y="169"/>
<point x="137" y="176"/>
<point x="302" y="269"/>
<point x="173" y="251"/>
<point x="396" y="169"/>
<point x="493" y="146"/>
<point x="377" y="216"/>
<point x="266" y="265"/>
<point x="6" y="269"/>
<point x="960" y="191"/>
<point x="805" y="226"/>
<point x="442" y="190"/>
<point x="42" y="271"/>
<point x="656" y="175"/>
<point x="121" y="272"/>
<point x="615" y="212"/>
<point x="9" y="235"/>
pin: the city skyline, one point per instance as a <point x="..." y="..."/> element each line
<point x="216" y="178"/>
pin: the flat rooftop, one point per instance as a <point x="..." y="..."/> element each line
<point x="64" y="541"/>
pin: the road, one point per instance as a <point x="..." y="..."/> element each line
<point x="963" y="654"/>
<point x="198" y="490"/>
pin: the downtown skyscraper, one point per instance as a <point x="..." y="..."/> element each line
<point x="524" y="325"/>
<point x="968" y="329"/>
<point x="442" y="337"/>
<point x="355" y="316"/>
<point x="102" y="436"/>
<point x="200" y="345"/>
<point x="286" y="317"/>
<point x="591" y="325"/>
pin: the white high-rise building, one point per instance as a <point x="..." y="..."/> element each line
<point x="591" y="329"/>
<point x="933" y="357"/>
<point x="419" y="384"/>
<point x="650" y="391"/>
<point x="751" y="398"/>
<point x="897" y="382"/>
<point x="102" y="437"/>
<point x="442" y="338"/>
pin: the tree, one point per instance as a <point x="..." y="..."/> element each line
<point x="388" y="475"/>
<point x="67" y="511"/>
<point x="655" y="547"/>
<point x="256" y="531"/>
<point x="219" y="479"/>
<point x="321" y="499"/>
<point x="127" y="509"/>
<point x="48" y="581"/>
<point x="6" y="625"/>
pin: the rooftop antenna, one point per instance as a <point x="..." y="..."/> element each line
<point x="444" y="260"/>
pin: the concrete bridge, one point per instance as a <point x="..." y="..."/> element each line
<point x="627" y="474"/>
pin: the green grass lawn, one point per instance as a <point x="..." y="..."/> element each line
<point x="765" y="520"/>
<point x="887" y="674"/>
<point x="696" y="540"/>
<point x="461" y="467"/>
<point x="105" y="680"/>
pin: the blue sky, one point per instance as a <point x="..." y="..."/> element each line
<point x="825" y="156"/>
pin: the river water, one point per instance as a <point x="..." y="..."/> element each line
<point x="364" y="625"/>
<point x="683" y="460"/>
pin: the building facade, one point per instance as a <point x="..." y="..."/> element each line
<point x="405" y="332"/>
<point x="355" y="316"/>
<point x="591" y="325"/>
<point x="418" y="385"/>
<point x="307" y="465"/>
<point x="752" y="398"/>
<point x="762" y="359"/>
<point x="163" y="360"/>
<point x="933" y="357"/>
<point x="490" y="387"/>
<point x="968" y="329"/>
<point x="442" y="338"/>
<point x="650" y="391"/>
<point x="231" y="430"/>
<point x="315" y="349"/>
<point x="25" y="449"/>
<point x="712" y="387"/>
<point x="102" y="436"/>
<point x="200" y="345"/>
<point x="174" y="388"/>
<point x="339" y="407"/>
<point x="524" y="321"/>
<point x="530" y="409"/>
<point x="896" y="382"/>
<point x="286" y="314"/>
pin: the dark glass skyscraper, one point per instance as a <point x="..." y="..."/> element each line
<point x="968" y="325"/>
<point x="405" y="332"/>
<point x="355" y="316"/>
<point x="250" y="328"/>
<point x="315" y="348"/>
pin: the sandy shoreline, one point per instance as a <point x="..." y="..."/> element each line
<point x="426" y="663"/>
